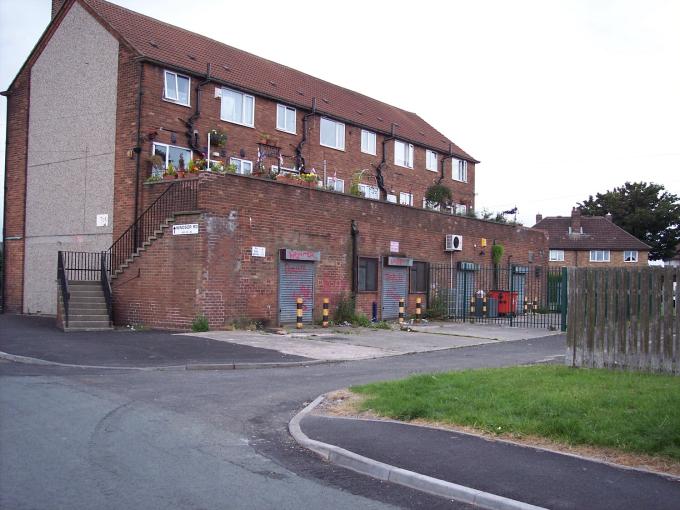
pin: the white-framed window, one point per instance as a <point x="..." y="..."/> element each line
<point x="177" y="88"/>
<point x="368" y="142"/>
<point x="403" y="154"/>
<point x="284" y="170"/>
<point x="459" y="169"/>
<point x="285" y="118"/>
<point x="170" y="154"/>
<point x="460" y="209"/>
<point x="392" y="198"/>
<point x="335" y="184"/>
<point x="430" y="205"/>
<point x="406" y="198"/>
<point x="332" y="134"/>
<point x="556" y="256"/>
<point x="243" y="166"/>
<point x="599" y="255"/>
<point x="238" y="108"/>
<point x="630" y="256"/>
<point x="431" y="160"/>
<point x="372" y="192"/>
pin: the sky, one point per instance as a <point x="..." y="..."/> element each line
<point x="558" y="99"/>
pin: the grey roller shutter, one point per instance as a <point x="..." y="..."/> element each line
<point x="296" y="279"/>
<point x="394" y="287"/>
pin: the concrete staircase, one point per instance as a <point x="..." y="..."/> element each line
<point x="87" y="307"/>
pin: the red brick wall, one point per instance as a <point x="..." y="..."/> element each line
<point x="15" y="191"/>
<point x="179" y="277"/>
<point x="161" y="119"/>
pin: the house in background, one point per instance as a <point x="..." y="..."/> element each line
<point x="595" y="241"/>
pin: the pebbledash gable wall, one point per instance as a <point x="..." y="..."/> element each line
<point x="213" y="273"/>
<point x="161" y="120"/>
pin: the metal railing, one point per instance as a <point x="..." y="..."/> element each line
<point x="106" y="283"/>
<point x="63" y="284"/>
<point x="180" y="196"/>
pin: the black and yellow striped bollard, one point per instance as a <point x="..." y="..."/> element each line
<point x="298" y="324"/>
<point x="325" y="313"/>
<point x="401" y="310"/>
<point x="535" y="305"/>
<point x="484" y="306"/>
<point x="418" y="310"/>
<point x="472" y="305"/>
<point x="526" y="305"/>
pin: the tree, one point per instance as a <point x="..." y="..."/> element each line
<point x="645" y="210"/>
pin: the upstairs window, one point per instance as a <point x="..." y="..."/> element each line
<point x="403" y="154"/>
<point x="285" y="118"/>
<point x="599" y="255"/>
<point x="431" y="160"/>
<point x="238" y="108"/>
<point x="630" y="256"/>
<point x="243" y="166"/>
<point x="335" y="184"/>
<point x="372" y="192"/>
<point x="459" y="169"/>
<point x="177" y="88"/>
<point x="368" y="142"/>
<point x="332" y="134"/>
<point x="556" y="256"/>
<point x="406" y="198"/>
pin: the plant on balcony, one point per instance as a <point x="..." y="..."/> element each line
<point x="438" y="195"/>
<point x="157" y="164"/>
<point x="218" y="138"/>
<point x="354" y="183"/>
<point x="154" y="178"/>
<point x="170" y="172"/>
<point x="217" y="167"/>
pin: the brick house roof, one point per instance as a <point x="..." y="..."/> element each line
<point x="184" y="50"/>
<point x="599" y="233"/>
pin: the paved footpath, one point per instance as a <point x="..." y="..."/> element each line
<point x="525" y="474"/>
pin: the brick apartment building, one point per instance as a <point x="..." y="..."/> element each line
<point x="579" y="241"/>
<point x="106" y="88"/>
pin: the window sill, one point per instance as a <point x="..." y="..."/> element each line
<point x="251" y="126"/>
<point x="286" y="131"/>
<point x="186" y="105"/>
<point x="369" y="153"/>
<point x="402" y="166"/>
<point x="458" y="180"/>
<point x="331" y="147"/>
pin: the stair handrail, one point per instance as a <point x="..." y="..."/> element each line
<point x="184" y="198"/>
<point x="106" y="285"/>
<point x="63" y="283"/>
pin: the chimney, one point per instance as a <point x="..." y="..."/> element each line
<point x="575" y="221"/>
<point x="539" y="217"/>
<point x="608" y="216"/>
<point x="56" y="5"/>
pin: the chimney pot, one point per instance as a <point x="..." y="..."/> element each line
<point x="539" y="217"/>
<point x="608" y="216"/>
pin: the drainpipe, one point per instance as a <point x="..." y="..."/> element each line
<point x="192" y="134"/>
<point x="448" y="156"/>
<point x="138" y="150"/>
<point x="354" y="229"/>
<point x="379" y="179"/>
<point x="299" y="158"/>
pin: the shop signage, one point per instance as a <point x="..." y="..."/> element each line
<point x="302" y="255"/>
<point x="399" y="261"/>
<point x="258" y="251"/>
<point x="394" y="246"/>
<point x="188" y="228"/>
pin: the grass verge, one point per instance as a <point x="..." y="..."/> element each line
<point x="631" y="412"/>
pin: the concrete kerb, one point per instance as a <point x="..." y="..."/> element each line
<point x="389" y="473"/>
<point x="189" y="366"/>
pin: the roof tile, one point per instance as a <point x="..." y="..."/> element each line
<point x="598" y="234"/>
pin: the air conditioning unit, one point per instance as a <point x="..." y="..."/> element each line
<point x="454" y="242"/>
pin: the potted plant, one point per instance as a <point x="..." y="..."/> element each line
<point x="170" y="172"/>
<point x="157" y="164"/>
<point x="218" y="138"/>
<point x="438" y="195"/>
<point x="181" y="171"/>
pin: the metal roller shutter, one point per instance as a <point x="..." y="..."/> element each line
<point x="296" y="279"/>
<point x="394" y="287"/>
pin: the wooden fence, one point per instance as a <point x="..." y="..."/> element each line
<point x="624" y="318"/>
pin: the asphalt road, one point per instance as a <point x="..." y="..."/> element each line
<point x="88" y="438"/>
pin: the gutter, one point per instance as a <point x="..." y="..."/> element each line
<point x="138" y="149"/>
<point x="192" y="134"/>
